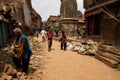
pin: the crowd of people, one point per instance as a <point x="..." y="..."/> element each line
<point x="48" y="36"/>
<point x="23" y="51"/>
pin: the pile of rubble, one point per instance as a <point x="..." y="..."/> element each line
<point x="105" y="53"/>
<point x="35" y="44"/>
<point x="7" y="69"/>
<point x="84" y="47"/>
<point x="8" y="72"/>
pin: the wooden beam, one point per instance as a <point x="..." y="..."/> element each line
<point x="110" y="15"/>
<point x="102" y="4"/>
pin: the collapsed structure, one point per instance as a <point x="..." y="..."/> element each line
<point x="17" y="13"/>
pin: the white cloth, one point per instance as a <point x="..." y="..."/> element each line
<point x="43" y="32"/>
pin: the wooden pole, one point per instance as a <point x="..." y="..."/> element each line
<point x="110" y="15"/>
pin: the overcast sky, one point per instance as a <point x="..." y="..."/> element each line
<point x="51" y="7"/>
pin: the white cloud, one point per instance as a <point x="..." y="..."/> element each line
<point x="50" y="7"/>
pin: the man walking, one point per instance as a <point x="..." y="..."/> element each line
<point x="49" y="38"/>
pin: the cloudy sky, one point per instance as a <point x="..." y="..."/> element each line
<point x="51" y="7"/>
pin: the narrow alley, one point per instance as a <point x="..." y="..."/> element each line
<point x="56" y="65"/>
<point x="68" y="65"/>
<point x="87" y="30"/>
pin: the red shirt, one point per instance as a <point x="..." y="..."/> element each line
<point x="49" y="35"/>
<point x="63" y="36"/>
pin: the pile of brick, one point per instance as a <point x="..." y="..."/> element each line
<point x="7" y="72"/>
<point x="35" y="44"/>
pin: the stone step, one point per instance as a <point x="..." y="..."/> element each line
<point x="107" y="61"/>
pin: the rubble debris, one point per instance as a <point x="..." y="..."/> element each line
<point x="70" y="46"/>
<point x="2" y="65"/>
<point x="109" y="49"/>
<point x="85" y="47"/>
<point x="8" y="71"/>
<point x="75" y="49"/>
<point x="5" y="77"/>
<point x="107" y="61"/>
<point x="108" y="55"/>
<point x="105" y="53"/>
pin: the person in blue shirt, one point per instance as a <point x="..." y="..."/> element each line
<point x="25" y="50"/>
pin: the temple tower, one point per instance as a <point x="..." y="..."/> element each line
<point x="68" y="15"/>
<point x="68" y="9"/>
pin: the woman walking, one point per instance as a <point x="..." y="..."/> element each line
<point x="63" y="41"/>
<point x="49" y="37"/>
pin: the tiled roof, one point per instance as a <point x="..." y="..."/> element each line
<point x="53" y="18"/>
